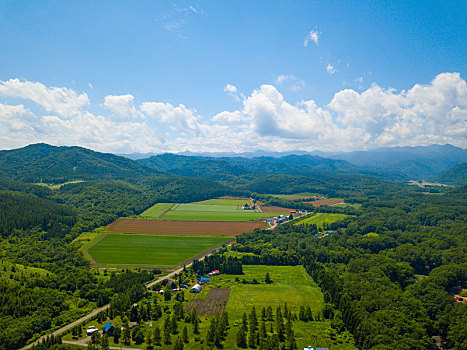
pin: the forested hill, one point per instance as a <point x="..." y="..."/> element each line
<point x="414" y="162"/>
<point x="194" y="166"/>
<point x="50" y="164"/>
<point x="239" y="169"/>
<point x="457" y="175"/>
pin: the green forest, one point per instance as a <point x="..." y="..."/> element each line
<point x="388" y="274"/>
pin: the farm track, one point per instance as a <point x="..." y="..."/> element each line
<point x="93" y="262"/>
<point x="165" y="212"/>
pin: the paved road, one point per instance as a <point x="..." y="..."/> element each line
<point x="71" y="325"/>
<point x="105" y="307"/>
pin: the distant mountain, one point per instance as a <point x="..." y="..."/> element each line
<point x="204" y="167"/>
<point x="419" y="162"/>
<point x="241" y="169"/>
<point x="46" y="163"/>
<point x="457" y="175"/>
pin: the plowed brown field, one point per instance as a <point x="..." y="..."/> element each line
<point x="183" y="228"/>
<point x="326" y="202"/>
<point x="275" y="210"/>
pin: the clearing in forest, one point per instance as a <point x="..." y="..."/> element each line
<point x="321" y="218"/>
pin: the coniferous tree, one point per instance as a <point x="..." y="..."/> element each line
<point x="117" y="334"/>
<point x="252" y="339"/>
<point x="253" y="320"/>
<point x="126" y="336"/>
<point x="245" y="321"/>
<point x="185" y="335"/>
<point x="157" y="336"/>
<point x="241" y="338"/>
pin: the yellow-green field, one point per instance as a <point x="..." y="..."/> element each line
<point x="321" y="218"/>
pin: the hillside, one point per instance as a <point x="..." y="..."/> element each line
<point x="414" y="162"/>
<point x="50" y="164"/>
<point x="457" y="175"/>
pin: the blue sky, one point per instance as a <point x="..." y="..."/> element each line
<point x="161" y="76"/>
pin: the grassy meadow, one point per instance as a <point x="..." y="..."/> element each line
<point x="157" y="210"/>
<point x="320" y="218"/>
<point x="150" y="250"/>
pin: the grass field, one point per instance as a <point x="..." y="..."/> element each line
<point x="320" y="218"/>
<point x="157" y="210"/>
<point x="216" y="216"/>
<point x="208" y="207"/>
<point x="150" y="250"/>
<point x="222" y="201"/>
<point x="291" y="284"/>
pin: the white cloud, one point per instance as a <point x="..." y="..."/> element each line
<point x="182" y="118"/>
<point x="290" y="82"/>
<point x="424" y="114"/>
<point x="312" y="36"/>
<point x="232" y="91"/>
<point x="121" y="107"/>
<point x="64" y="101"/>
<point x="331" y="69"/>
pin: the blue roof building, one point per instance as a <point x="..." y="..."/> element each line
<point x="108" y="327"/>
<point x="203" y="279"/>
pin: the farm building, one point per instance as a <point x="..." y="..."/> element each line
<point x="196" y="288"/>
<point x="292" y="211"/>
<point x="91" y="330"/>
<point x="108" y="328"/>
<point x="214" y="273"/>
<point x="203" y="279"/>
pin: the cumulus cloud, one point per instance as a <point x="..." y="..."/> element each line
<point x="424" y="114"/>
<point x="180" y="117"/>
<point x="64" y="101"/>
<point x="232" y="91"/>
<point x="312" y="36"/>
<point x="121" y="107"/>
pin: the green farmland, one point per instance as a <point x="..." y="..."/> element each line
<point x="208" y="207"/>
<point x="222" y="201"/>
<point x="150" y="250"/>
<point x="320" y="218"/>
<point x="157" y="210"/>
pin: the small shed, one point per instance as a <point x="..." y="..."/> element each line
<point x="108" y="328"/>
<point x="196" y="288"/>
<point x="214" y="273"/>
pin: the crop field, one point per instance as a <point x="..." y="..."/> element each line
<point x="275" y="210"/>
<point x="216" y="216"/>
<point x="214" y="304"/>
<point x="329" y="202"/>
<point x="183" y="228"/>
<point x="150" y="250"/>
<point x="320" y="218"/>
<point x="227" y="201"/>
<point x="157" y="210"/>
<point x="208" y="207"/>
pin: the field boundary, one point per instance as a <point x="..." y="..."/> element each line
<point x="210" y="250"/>
<point x="93" y="262"/>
